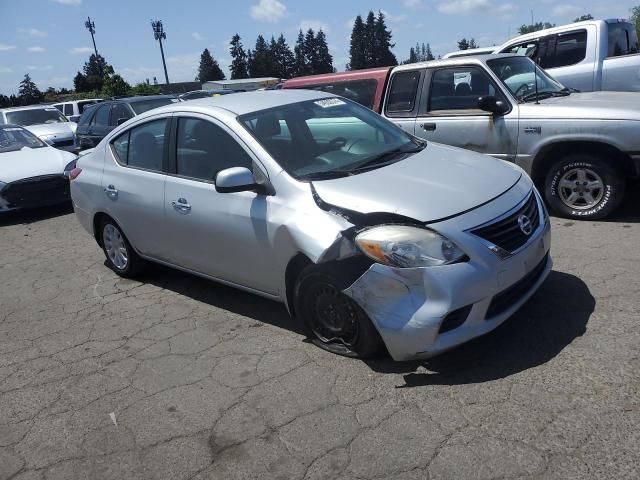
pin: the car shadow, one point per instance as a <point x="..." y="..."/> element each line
<point x="556" y="315"/>
<point x="221" y="296"/>
<point x="33" y="215"/>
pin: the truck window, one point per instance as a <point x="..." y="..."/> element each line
<point x="528" y="48"/>
<point x="623" y="39"/>
<point x="459" y="88"/>
<point x="361" y="91"/>
<point x="68" y="109"/>
<point x="402" y="93"/>
<point x="567" y="49"/>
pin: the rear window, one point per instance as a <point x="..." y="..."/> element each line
<point x="402" y="94"/>
<point x="145" y="105"/>
<point x="361" y="91"/>
<point x="623" y="39"/>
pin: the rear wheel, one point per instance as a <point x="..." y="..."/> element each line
<point x="332" y="320"/>
<point x="121" y="258"/>
<point x="584" y="186"/>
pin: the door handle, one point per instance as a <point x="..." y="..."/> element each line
<point x="181" y="205"/>
<point x="428" y="127"/>
<point x="111" y="191"/>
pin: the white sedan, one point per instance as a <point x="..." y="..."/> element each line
<point x="32" y="173"/>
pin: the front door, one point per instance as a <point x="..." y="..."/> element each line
<point x="449" y="113"/>
<point x="223" y="235"/>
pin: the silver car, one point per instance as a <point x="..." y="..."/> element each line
<point x="369" y="235"/>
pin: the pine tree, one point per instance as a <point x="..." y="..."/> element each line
<point x="115" y="86"/>
<point x="463" y="44"/>
<point x="324" y="60"/>
<point x="28" y="92"/>
<point x="260" y="61"/>
<point x="284" y="60"/>
<point x="383" y="57"/>
<point x="356" y="49"/>
<point x="473" y="44"/>
<point x="209" y="68"/>
<point x="428" y="54"/>
<point x="96" y="71"/>
<point x="310" y="51"/>
<point x="239" y="68"/>
<point x="300" y="67"/>
<point x="80" y="84"/>
<point x="413" y="56"/>
<point x="369" y="41"/>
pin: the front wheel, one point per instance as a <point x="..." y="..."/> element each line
<point x="584" y="187"/>
<point x="332" y="320"/>
<point x="121" y="257"/>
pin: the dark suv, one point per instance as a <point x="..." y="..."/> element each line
<point x="98" y="120"/>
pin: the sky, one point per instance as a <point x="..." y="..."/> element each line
<point x="48" y="39"/>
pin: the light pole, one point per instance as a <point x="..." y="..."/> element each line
<point x="158" y="34"/>
<point x="91" y="26"/>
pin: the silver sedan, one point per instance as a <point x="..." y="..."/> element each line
<point x="370" y="236"/>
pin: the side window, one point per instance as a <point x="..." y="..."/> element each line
<point x="459" y="88"/>
<point x="86" y="116"/>
<point x="68" y="109"/>
<point x="527" y="49"/>
<point x="570" y="48"/>
<point x="101" y="117"/>
<point x="58" y="106"/>
<point x="119" y="111"/>
<point x="623" y="39"/>
<point x="203" y="149"/>
<point x="82" y="105"/>
<point x="142" y="146"/>
<point x="361" y="91"/>
<point x="403" y="90"/>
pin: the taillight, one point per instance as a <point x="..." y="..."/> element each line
<point x="73" y="174"/>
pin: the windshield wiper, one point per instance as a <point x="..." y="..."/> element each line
<point x="327" y="175"/>
<point x="386" y="158"/>
<point x="543" y="95"/>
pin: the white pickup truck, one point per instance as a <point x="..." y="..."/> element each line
<point x="588" y="56"/>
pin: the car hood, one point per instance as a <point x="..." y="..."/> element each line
<point x="434" y="184"/>
<point x="34" y="162"/>
<point x="60" y="130"/>
<point x="595" y="105"/>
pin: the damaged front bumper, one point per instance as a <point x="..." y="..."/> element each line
<point x="420" y="312"/>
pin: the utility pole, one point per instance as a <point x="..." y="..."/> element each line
<point x="159" y="34"/>
<point x="91" y="26"/>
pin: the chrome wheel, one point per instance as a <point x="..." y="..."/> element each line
<point x="581" y="188"/>
<point x="115" y="246"/>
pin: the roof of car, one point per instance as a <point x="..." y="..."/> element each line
<point x="248" y="102"/>
<point x="454" y="61"/>
<point x="11" y="125"/>
<point x="27" y="107"/>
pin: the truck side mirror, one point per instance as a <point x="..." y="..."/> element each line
<point x="489" y="103"/>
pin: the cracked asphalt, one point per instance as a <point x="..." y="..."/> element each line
<point x="175" y="377"/>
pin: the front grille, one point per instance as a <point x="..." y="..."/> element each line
<point x="63" y="143"/>
<point x="454" y="319"/>
<point x="37" y="191"/>
<point x="506" y="233"/>
<point x="505" y="299"/>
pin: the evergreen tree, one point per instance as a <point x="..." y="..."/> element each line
<point x="80" y="84"/>
<point x="356" y="49"/>
<point x="284" y="60"/>
<point x="28" y="92"/>
<point x="310" y="51"/>
<point x="534" y="27"/>
<point x="473" y="44"/>
<point x="209" y="68"/>
<point x="428" y="55"/>
<point x="96" y="71"/>
<point x="300" y="63"/>
<point x="115" y="86"/>
<point x="260" y="61"/>
<point x="324" y="60"/>
<point x="369" y="45"/>
<point x="582" y="18"/>
<point x="413" y="56"/>
<point x="383" y="57"/>
<point x="239" y="67"/>
<point x="463" y="44"/>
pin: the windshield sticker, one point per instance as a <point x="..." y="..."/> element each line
<point x="329" y="102"/>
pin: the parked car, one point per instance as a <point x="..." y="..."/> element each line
<point x="579" y="148"/>
<point x="368" y="234"/>
<point x="469" y="52"/>
<point x="203" y="94"/>
<point x="588" y="56"/>
<point x="74" y="108"/>
<point x="100" y="119"/>
<point x="32" y="173"/>
<point x="46" y="122"/>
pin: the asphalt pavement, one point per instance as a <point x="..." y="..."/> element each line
<point x="176" y="377"/>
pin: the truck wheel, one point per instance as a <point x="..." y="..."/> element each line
<point x="584" y="187"/>
<point x="332" y="320"/>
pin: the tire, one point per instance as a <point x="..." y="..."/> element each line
<point x="331" y="319"/>
<point x="583" y="186"/>
<point x="120" y="256"/>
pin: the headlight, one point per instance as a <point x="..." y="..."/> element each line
<point x="404" y="246"/>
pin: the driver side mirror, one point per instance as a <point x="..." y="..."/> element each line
<point x="235" y="179"/>
<point x="489" y="103"/>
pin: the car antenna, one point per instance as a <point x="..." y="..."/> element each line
<point x="535" y="78"/>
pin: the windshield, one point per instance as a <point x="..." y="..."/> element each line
<point x="36" y="116"/>
<point x="328" y="138"/>
<point x="145" y="105"/>
<point x="13" y="139"/>
<point x="517" y="74"/>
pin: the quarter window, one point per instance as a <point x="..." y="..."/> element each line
<point x="402" y="94"/>
<point x="203" y="149"/>
<point x="68" y="109"/>
<point x="142" y="146"/>
<point x="119" y="111"/>
<point x="459" y="88"/>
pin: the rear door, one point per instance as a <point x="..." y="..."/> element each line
<point x="133" y="184"/>
<point x="448" y="112"/>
